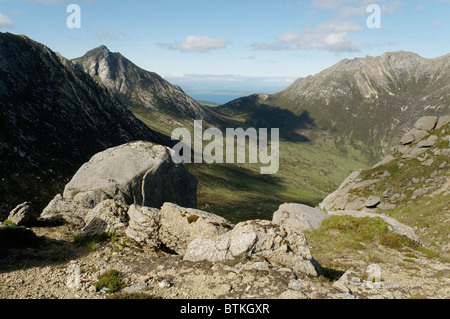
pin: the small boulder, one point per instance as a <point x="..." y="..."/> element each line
<point x="426" y="123"/>
<point x="414" y="153"/>
<point x="372" y="202"/>
<point x="299" y="217"/>
<point x="412" y="135"/>
<point x="23" y="215"/>
<point x="60" y="211"/>
<point x="180" y="225"/>
<point x="430" y="142"/>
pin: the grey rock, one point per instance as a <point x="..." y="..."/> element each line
<point x="133" y="85"/>
<point x="426" y="123"/>
<point x="144" y="225"/>
<point x="107" y="217"/>
<point x="140" y="173"/>
<point x="135" y="288"/>
<point x="395" y="197"/>
<point x="292" y="295"/>
<point x="23" y="215"/>
<point x="257" y="239"/>
<point x="428" y="162"/>
<point x="414" y="153"/>
<point x="412" y="136"/>
<point x="443" y="120"/>
<point x="294" y="284"/>
<point x="372" y="202"/>
<point x="180" y="225"/>
<point x="430" y="142"/>
<point x="419" y="192"/>
<point x="387" y="206"/>
<point x="299" y="217"/>
<point x="388" y="193"/>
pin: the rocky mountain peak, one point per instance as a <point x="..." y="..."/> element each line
<point x="136" y="87"/>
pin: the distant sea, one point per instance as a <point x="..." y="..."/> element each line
<point x="216" y="98"/>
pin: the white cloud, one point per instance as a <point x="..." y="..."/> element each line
<point x="329" y="36"/>
<point x="197" y="44"/>
<point x="356" y="8"/>
<point x="5" y="21"/>
<point x="52" y="2"/>
<point x="105" y="35"/>
<point x="330" y="4"/>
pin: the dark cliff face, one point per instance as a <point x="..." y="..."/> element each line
<point x="140" y="88"/>
<point x="365" y="104"/>
<point x="54" y="118"/>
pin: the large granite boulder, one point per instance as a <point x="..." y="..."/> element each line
<point x="140" y="173"/>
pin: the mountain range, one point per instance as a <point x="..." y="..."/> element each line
<point x="57" y="113"/>
<point x="363" y="105"/>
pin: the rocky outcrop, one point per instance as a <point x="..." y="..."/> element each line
<point x="173" y="227"/>
<point x="109" y="195"/>
<point x="424" y="143"/>
<point x="413" y="178"/>
<point x="179" y="226"/>
<point x="299" y="217"/>
<point x="257" y="240"/>
<point x="143" y="225"/>
<point x="107" y="217"/>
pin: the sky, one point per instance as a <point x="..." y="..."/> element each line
<point x="238" y="46"/>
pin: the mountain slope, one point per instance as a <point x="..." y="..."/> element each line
<point x="364" y="104"/>
<point x="412" y="184"/>
<point x="139" y="88"/>
<point x="54" y="118"/>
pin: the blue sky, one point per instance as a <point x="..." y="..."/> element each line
<point x="239" y="45"/>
